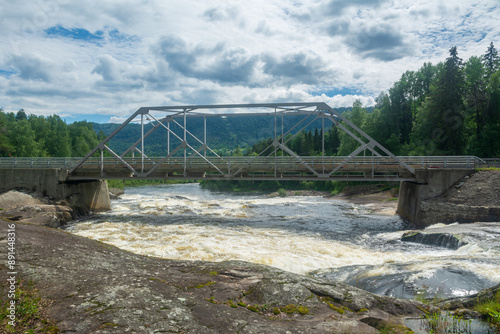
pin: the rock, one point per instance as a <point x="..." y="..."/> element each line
<point x="467" y="314"/>
<point x="14" y="199"/>
<point x="93" y="286"/>
<point x="41" y="214"/>
<point x="446" y="240"/>
<point x="470" y="301"/>
<point x="447" y="213"/>
<point x="115" y="193"/>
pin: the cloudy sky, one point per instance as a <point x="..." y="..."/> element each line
<point x="101" y="60"/>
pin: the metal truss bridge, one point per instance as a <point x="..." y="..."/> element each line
<point x="187" y="156"/>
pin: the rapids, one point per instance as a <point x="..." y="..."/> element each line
<point x="322" y="237"/>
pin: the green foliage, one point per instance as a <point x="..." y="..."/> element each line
<point x="23" y="138"/>
<point x="30" y="311"/>
<point x="444" y="323"/>
<point x="39" y="136"/>
<point x="282" y="192"/>
<point x="5" y="146"/>
<point x="490" y="309"/>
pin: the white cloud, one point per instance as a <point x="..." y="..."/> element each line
<point x="111" y="57"/>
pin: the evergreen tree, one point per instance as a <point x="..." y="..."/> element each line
<point x="318" y="140"/>
<point x="476" y="96"/>
<point x="332" y="141"/>
<point x="440" y="122"/>
<point x="356" y="116"/>
<point x="21" y="115"/>
<point x="491" y="60"/>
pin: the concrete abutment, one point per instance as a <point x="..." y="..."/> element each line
<point x="82" y="196"/>
<point x="414" y="197"/>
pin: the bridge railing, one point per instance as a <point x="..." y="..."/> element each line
<point x="22" y="162"/>
<point x="491" y="162"/>
<point x="281" y="161"/>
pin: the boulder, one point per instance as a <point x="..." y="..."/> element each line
<point x="446" y="240"/>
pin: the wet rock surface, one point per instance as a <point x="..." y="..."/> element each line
<point x="405" y="283"/>
<point x="99" y="288"/>
<point x="465" y="304"/>
<point x="446" y="240"/>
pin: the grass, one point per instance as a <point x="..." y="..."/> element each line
<point x="488" y="169"/>
<point x="30" y="311"/>
<point x="441" y="323"/>
<point x="490" y="310"/>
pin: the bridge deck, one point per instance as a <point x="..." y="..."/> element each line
<point x="317" y="168"/>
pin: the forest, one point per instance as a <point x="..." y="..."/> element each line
<point x="451" y="108"/>
<point x="40" y="136"/>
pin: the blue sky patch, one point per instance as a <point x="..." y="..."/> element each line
<point x="118" y="36"/>
<point x="6" y="73"/>
<point x="328" y="91"/>
<point x="86" y="117"/>
<point x="98" y="36"/>
<point x="75" y="33"/>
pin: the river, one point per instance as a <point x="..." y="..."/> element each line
<point x="322" y="237"/>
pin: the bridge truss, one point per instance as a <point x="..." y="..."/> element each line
<point x="184" y="160"/>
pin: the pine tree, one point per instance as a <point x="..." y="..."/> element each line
<point x="491" y="60"/>
<point x="440" y="122"/>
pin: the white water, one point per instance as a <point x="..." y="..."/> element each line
<point x="298" y="234"/>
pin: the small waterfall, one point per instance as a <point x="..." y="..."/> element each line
<point x="446" y="240"/>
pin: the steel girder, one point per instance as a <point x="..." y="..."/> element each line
<point x="179" y="116"/>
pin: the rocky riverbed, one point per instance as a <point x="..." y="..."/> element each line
<point x="94" y="287"/>
<point x="89" y="286"/>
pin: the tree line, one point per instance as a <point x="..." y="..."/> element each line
<point x="452" y="108"/>
<point x="39" y="136"/>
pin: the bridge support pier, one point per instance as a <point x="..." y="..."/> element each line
<point x="82" y="196"/>
<point x="430" y="183"/>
